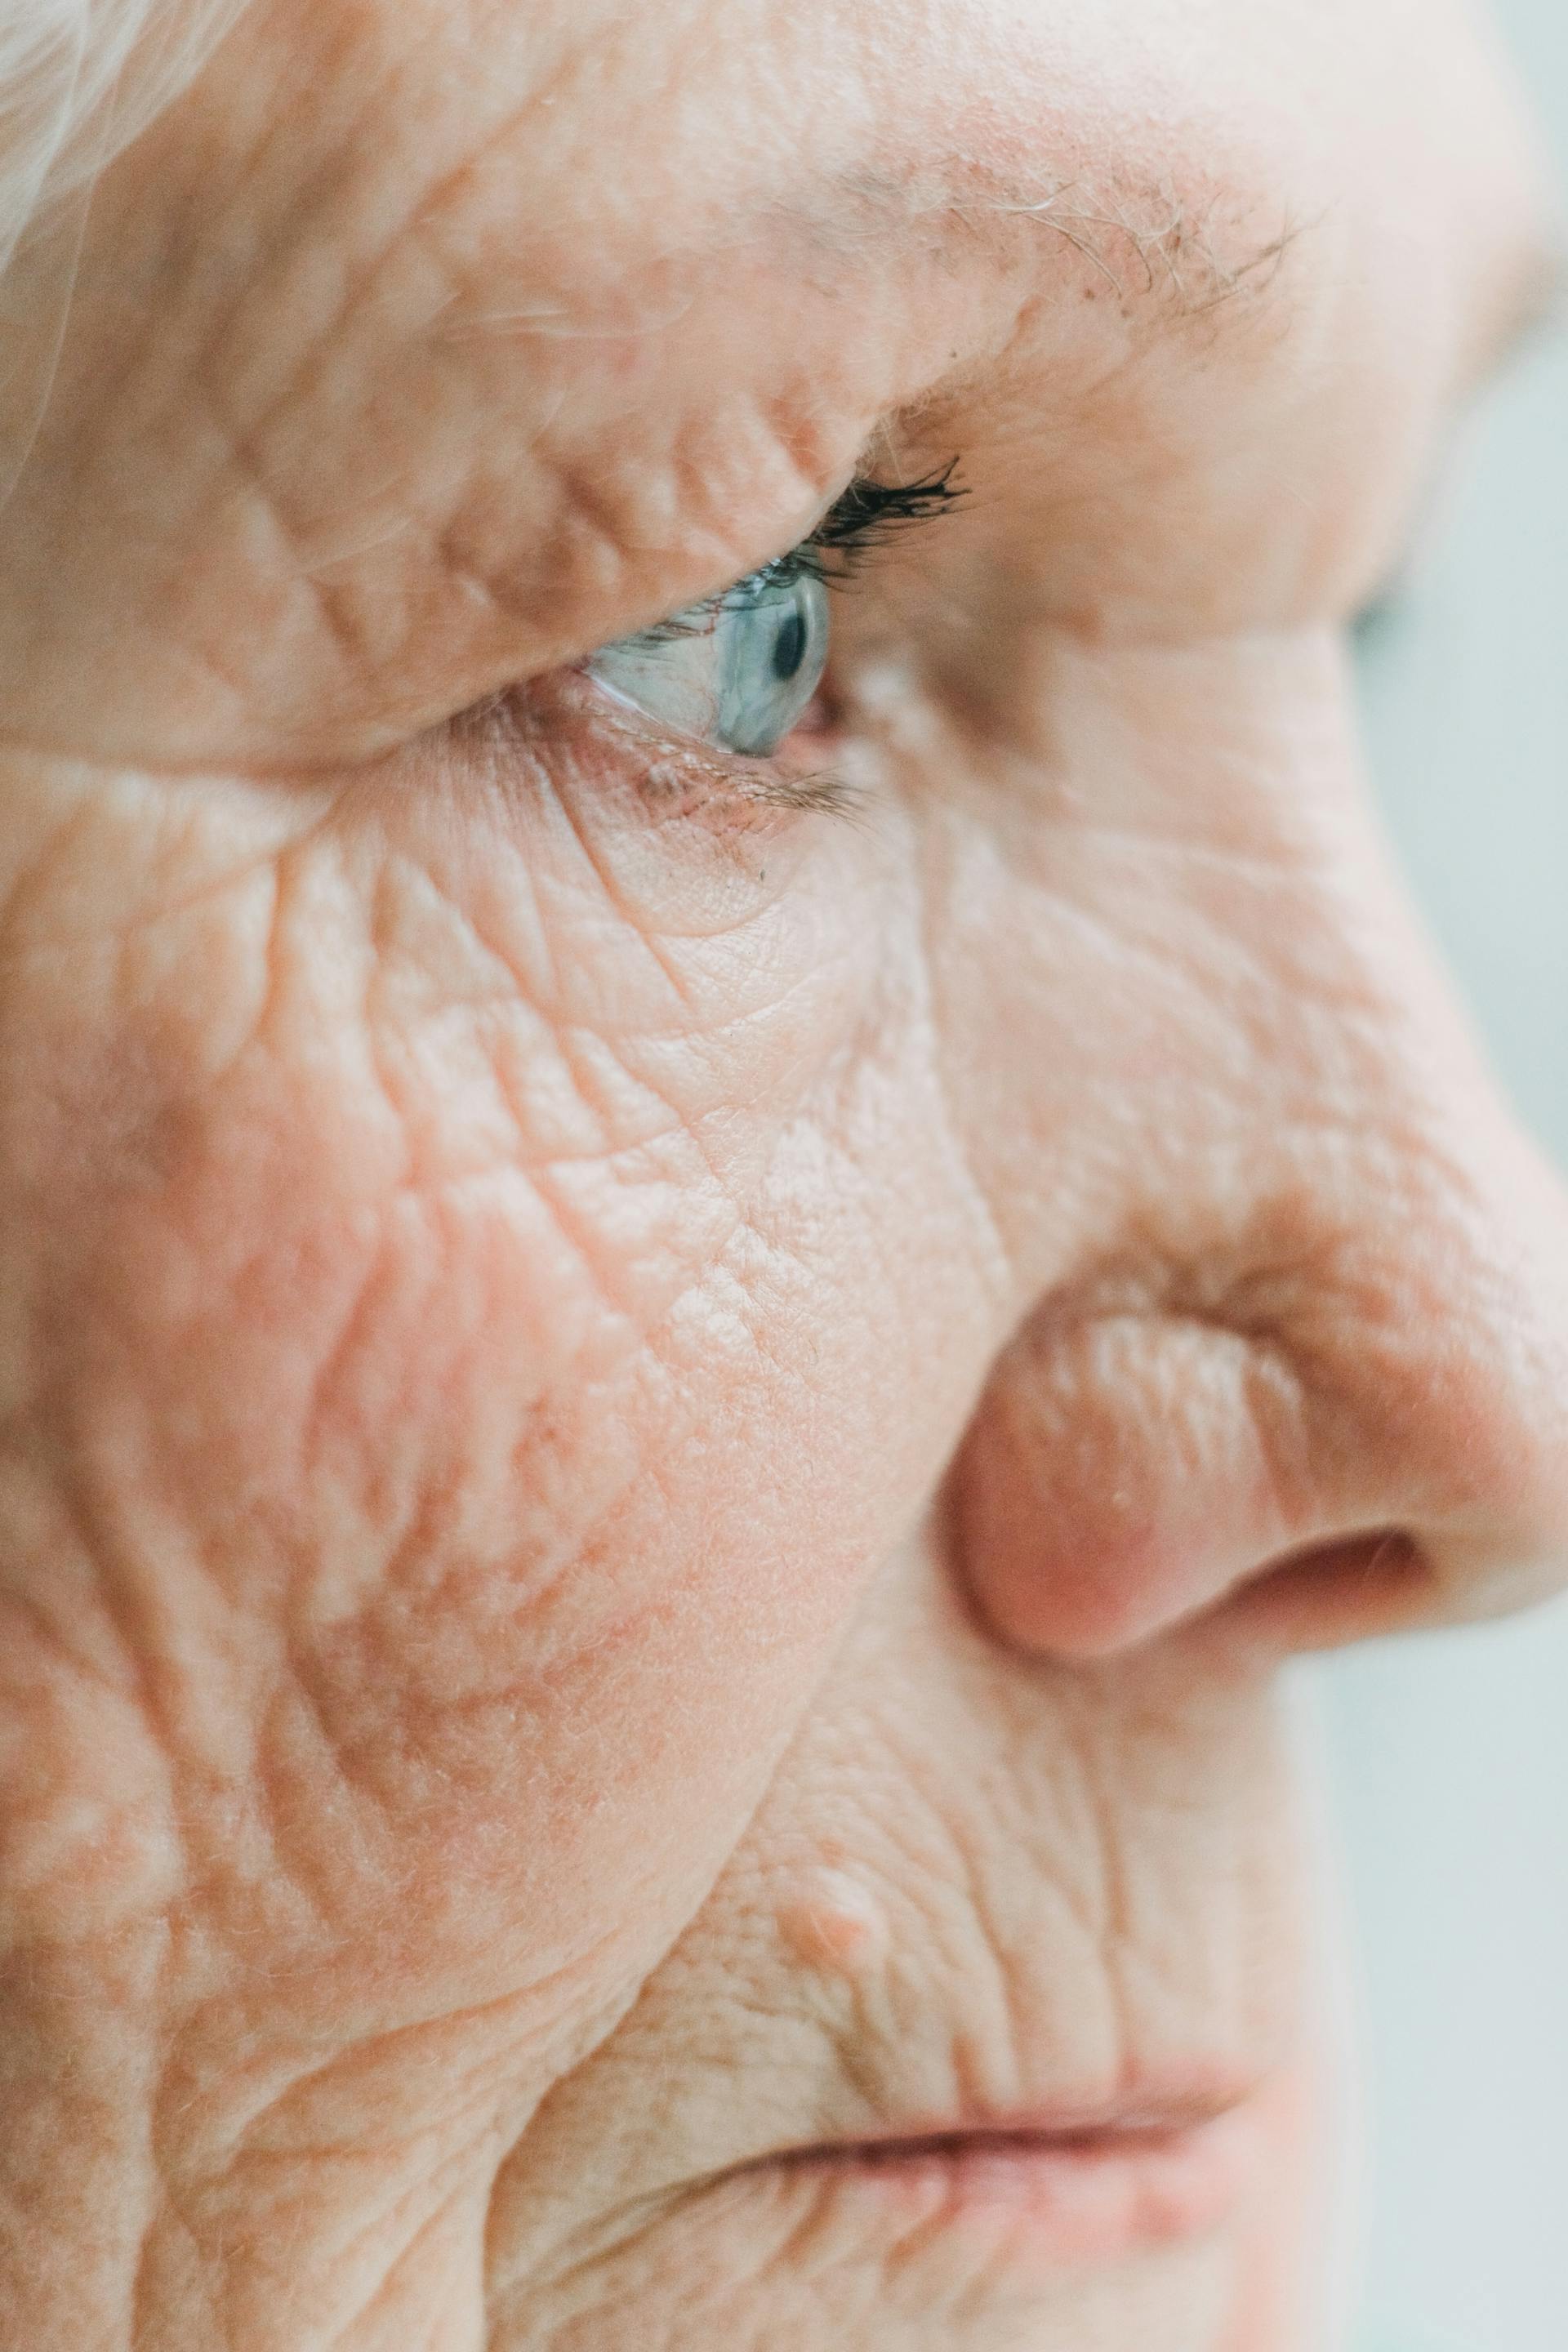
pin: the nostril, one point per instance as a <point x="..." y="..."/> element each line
<point x="1327" y="1595"/>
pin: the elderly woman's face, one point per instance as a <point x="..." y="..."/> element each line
<point x="669" y="1402"/>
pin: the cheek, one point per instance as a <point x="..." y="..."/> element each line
<point x="405" y="1133"/>
<point x="463" y="1314"/>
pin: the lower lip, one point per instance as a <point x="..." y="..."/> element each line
<point x="1056" y="2202"/>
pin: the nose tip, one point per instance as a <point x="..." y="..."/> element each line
<point x="1369" y="1437"/>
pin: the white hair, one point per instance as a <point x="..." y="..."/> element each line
<point x="78" y="80"/>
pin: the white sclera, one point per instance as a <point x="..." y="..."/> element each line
<point x="739" y="672"/>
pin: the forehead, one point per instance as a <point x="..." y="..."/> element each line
<point x="485" y="333"/>
<point x="714" y="118"/>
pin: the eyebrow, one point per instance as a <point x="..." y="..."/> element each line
<point x="1135" y="235"/>
<point x="1168" y="245"/>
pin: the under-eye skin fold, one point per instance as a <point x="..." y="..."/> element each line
<point x="740" y="670"/>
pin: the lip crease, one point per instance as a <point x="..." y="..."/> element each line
<point x="1063" y="2188"/>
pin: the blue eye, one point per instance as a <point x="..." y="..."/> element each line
<point x="739" y="671"/>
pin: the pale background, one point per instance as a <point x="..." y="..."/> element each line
<point x="1450" y="1760"/>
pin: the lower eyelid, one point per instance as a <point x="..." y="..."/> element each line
<point x="680" y="776"/>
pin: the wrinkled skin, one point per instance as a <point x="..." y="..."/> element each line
<point x="659" y="1447"/>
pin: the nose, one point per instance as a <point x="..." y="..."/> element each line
<point x="1314" y="1380"/>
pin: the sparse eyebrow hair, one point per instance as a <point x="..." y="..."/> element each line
<point x="1140" y="237"/>
<point x="1147" y="243"/>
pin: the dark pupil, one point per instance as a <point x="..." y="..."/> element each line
<point x="789" y="647"/>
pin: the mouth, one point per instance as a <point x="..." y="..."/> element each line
<point x="1057" y="2193"/>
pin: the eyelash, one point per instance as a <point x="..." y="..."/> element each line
<point x="861" y="523"/>
<point x="862" y="520"/>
